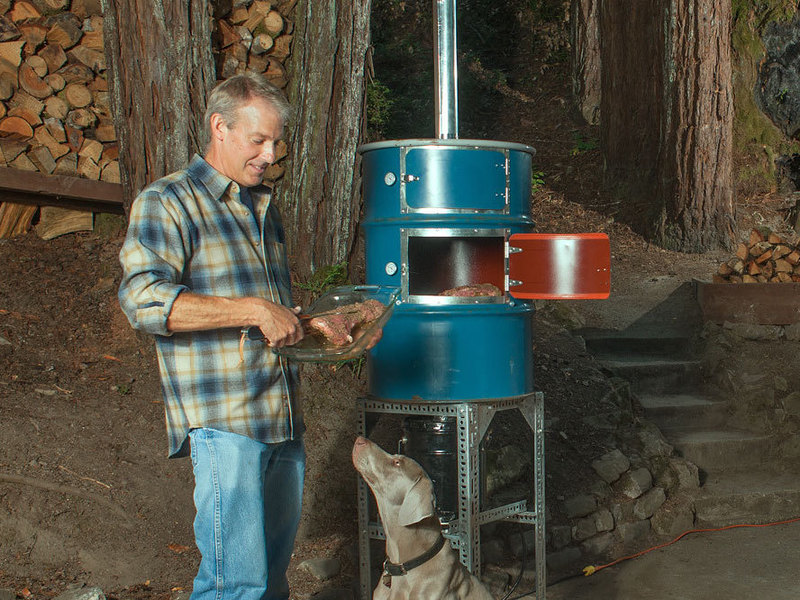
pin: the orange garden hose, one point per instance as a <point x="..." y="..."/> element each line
<point x="591" y="569"/>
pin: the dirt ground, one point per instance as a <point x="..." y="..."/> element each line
<point x="87" y="495"/>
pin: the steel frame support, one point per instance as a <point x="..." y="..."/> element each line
<point x="472" y="421"/>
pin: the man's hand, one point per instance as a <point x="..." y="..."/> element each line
<point x="196" y="312"/>
<point x="279" y="324"/>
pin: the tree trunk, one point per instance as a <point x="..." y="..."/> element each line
<point x="696" y="166"/>
<point x="586" y="64"/>
<point x="160" y="72"/>
<point x="667" y="118"/>
<point x="319" y="196"/>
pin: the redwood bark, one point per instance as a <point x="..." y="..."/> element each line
<point x="319" y="196"/>
<point x="695" y="173"/>
<point x="586" y="63"/>
<point x="160" y="72"/>
<point x="667" y="118"/>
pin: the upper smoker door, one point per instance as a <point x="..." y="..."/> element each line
<point x="559" y="266"/>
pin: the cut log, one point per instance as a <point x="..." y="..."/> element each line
<point x="54" y="221"/>
<point x="76" y="73"/>
<point x="226" y="34"/>
<point x="32" y="83"/>
<point x="76" y="95"/>
<point x="87" y="168"/>
<point x="55" y="81"/>
<point x="22" y="11"/>
<point x="11" y="56"/>
<point x="56" y="107"/>
<point x="16" y="128"/>
<point x="8" y="85"/>
<point x="74" y="138"/>
<point x="67" y="165"/>
<point x="13" y="148"/>
<point x="262" y="42"/>
<point x="34" y="35"/>
<point x="239" y="15"/>
<point x="282" y="47"/>
<point x="105" y="132"/>
<point x="45" y="138"/>
<point x="22" y="163"/>
<point x="86" y="8"/>
<point x="272" y="23"/>
<point x="41" y="157"/>
<point x="91" y="149"/>
<point x="93" y="59"/>
<point x="80" y="118"/>
<point x="64" y="30"/>
<point x="54" y="56"/>
<point x="15" y="219"/>
<point x="49" y="7"/>
<point x="38" y="64"/>
<point x="111" y="172"/>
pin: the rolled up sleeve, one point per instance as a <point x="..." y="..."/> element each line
<point x="153" y="259"/>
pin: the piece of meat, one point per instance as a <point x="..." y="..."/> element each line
<point x="337" y="326"/>
<point x="473" y="290"/>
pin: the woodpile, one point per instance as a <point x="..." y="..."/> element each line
<point x="764" y="258"/>
<point x="54" y="106"/>
<point x="254" y="35"/>
<point x="55" y="115"/>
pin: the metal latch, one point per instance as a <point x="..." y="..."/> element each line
<point x="409" y="178"/>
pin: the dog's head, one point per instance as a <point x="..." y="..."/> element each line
<point x="401" y="487"/>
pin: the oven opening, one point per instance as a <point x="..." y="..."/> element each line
<point x="436" y="264"/>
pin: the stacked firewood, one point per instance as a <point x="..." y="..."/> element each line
<point x="54" y="110"/>
<point x="764" y="258"/>
<point x="255" y="35"/>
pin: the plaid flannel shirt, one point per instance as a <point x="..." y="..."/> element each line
<point x="190" y="231"/>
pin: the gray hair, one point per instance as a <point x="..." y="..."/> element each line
<point x="233" y="93"/>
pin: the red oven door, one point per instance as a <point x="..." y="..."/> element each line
<point x="559" y="266"/>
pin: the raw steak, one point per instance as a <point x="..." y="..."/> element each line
<point x="337" y="326"/>
<point x="472" y="290"/>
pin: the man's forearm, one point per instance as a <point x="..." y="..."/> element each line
<point x="196" y="312"/>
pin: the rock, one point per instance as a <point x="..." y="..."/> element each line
<point x="646" y="506"/>
<point x="579" y="506"/>
<point x="653" y="442"/>
<point x="752" y="331"/>
<point x="84" y="593"/>
<point x="322" y="568"/>
<point x="779" y="75"/>
<point x="583" y="528"/>
<point x="597" y="544"/>
<point x="687" y="473"/>
<point x="622" y="513"/>
<point x="635" y="483"/>
<point x="792" y="332"/>
<point x="507" y="465"/>
<point x="780" y="383"/>
<point x="601" y="489"/>
<point x="603" y="520"/>
<point x="674" y="517"/>
<point x="611" y="465"/>
<point x="631" y="533"/>
<point x="566" y="559"/>
<point x="560" y="536"/>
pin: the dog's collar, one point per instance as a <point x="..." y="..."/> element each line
<point x="395" y="569"/>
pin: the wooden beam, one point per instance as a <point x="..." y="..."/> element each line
<point x="27" y="187"/>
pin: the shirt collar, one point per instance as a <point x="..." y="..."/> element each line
<point x="215" y="182"/>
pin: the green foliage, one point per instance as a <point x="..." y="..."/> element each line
<point x="582" y="144"/>
<point x="324" y="278"/>
<point x="537" y="181"/>
<point x="379" y="106"/>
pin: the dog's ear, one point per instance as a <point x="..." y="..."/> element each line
<point x="418" y="503"/>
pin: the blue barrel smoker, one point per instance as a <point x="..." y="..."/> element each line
<point x="439" y="214"/>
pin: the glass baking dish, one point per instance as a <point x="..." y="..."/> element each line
<point x="315" y="348"/>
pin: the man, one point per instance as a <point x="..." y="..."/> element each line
<point x="204" y="258"/>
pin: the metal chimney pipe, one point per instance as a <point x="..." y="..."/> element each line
<point x="445" y="72"/>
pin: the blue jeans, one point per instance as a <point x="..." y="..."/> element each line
<point x="248" y="497"/>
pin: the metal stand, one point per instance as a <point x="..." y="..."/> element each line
<point x="472" y="419"/>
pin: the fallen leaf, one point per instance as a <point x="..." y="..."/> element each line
<point x="177" y="548"/>
<point x="176" y="589"/>
<point x="25" y="593"/>
<point x="109" y="357"/>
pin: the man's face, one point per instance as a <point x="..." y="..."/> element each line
<point x="244" y="150"/>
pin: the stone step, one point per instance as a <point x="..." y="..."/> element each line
<point x="720" y="449"/>
<point x="609" y="343"/>
<point x="755" y="496"/>
<point x="669" y="411"/>
<point x="656" y="375"/>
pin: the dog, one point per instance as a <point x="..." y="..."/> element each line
<point x="420" y="564"/>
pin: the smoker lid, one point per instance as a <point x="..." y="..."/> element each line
<point x="456" y="143"/>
